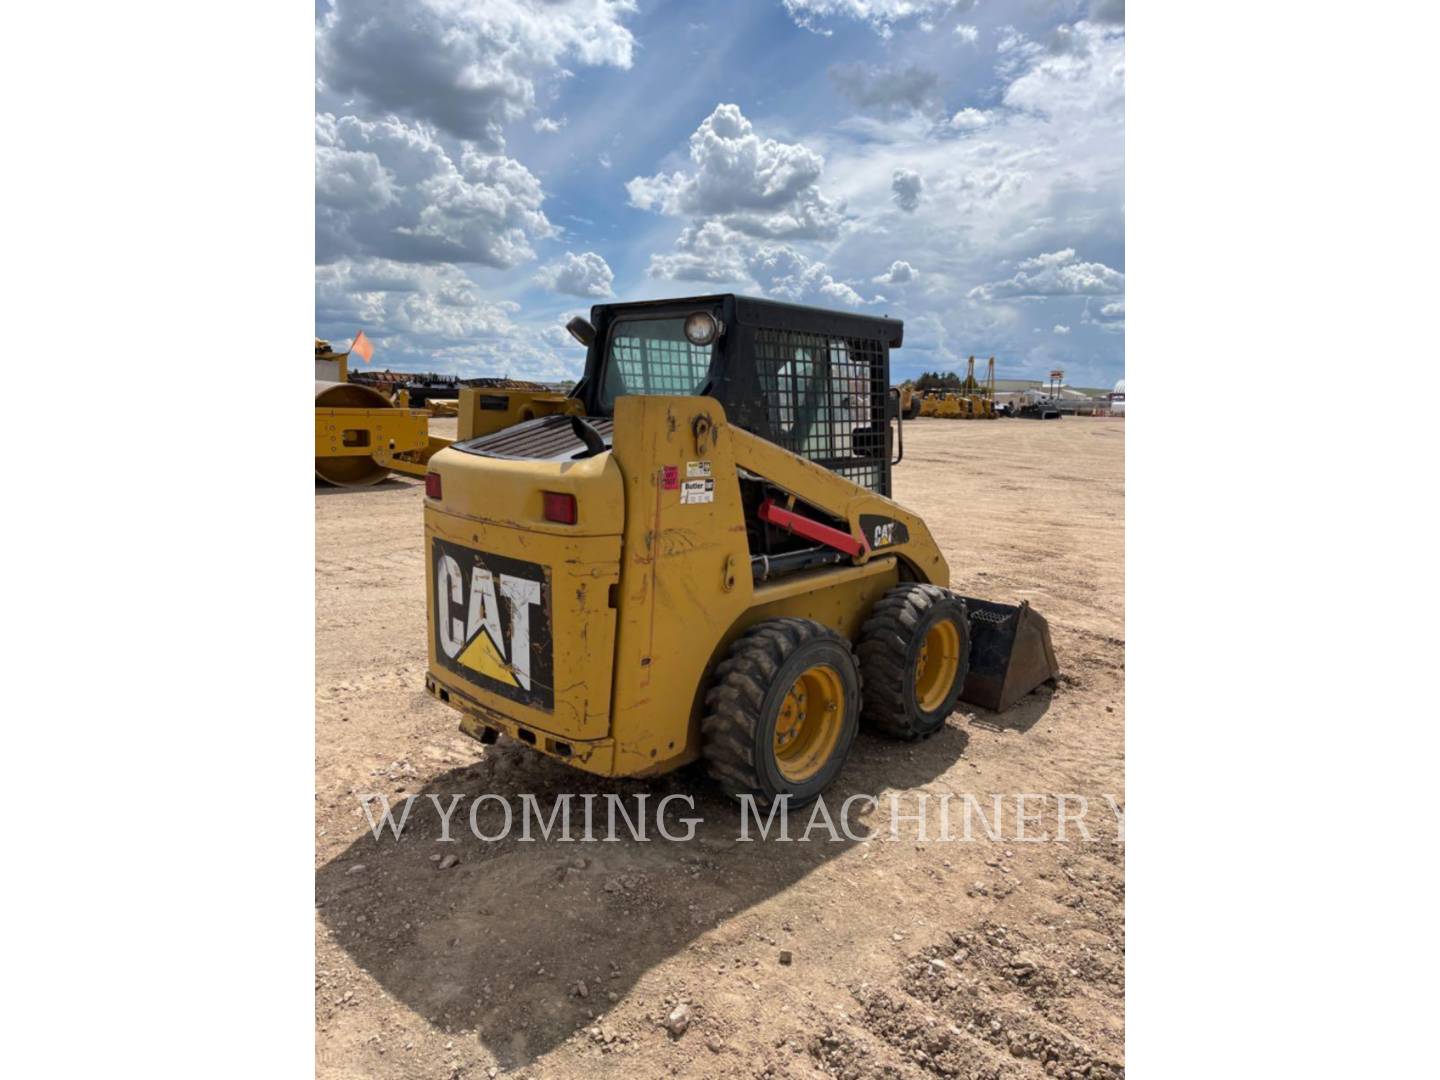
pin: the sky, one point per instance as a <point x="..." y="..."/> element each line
<point x="485" y="169"/>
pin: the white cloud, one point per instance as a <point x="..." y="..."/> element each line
<point x="389" y="189"/>
<point x="786" y="273"/>
<point x="1030" y="182"/>
<point x="1011" y="40"/>
<point x="968" y="33"/>
<point x="1061" y="329"/>
<point x="1048" y="260"/>
<point x="840" y="292"/>
<point x="412" y="180"/>
<point x="426" y="304"/>
<point x="579" y="275"/>
<point x="719" y="256"/>
<point x="969" y="119"/>
<point x="1014" y="220"/>
<point x="899" y="273"/>
<point x="878" y="13"/>
<point x="887" y="91"/>
<point x="467" y="67"/>
<point x="1111" y="318"/>
<point x="1081" y="75"/>
<point x="706" y="252"/>
<point x="435" y="318"/>
<point x="906" y="186"/>
<point x="352" y="180"/>
<point x="1058" y="273"/>
<point x="758" y="186"/>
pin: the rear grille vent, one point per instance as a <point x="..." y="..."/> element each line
<point x="547" y="438"/>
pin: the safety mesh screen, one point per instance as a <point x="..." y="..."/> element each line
<point x="652" y="356"/>
<point x="826" y="401"/>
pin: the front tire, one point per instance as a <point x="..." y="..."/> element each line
<point x="783" y="711"/>
<point x="914" y="656"/>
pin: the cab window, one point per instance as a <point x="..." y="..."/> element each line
<point x="652" y="356"/>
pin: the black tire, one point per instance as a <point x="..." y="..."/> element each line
<point x="751" y="688"/>
<point x="890" y="648"/>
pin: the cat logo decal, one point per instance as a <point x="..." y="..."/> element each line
<point x="492" y="622"/>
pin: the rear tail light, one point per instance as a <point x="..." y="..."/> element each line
<point x="432" y="485"/>
<point x="559" y="507"/>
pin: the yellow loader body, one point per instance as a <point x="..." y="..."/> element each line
<point x="636" y="601"/>
<point x="694" y="554"/>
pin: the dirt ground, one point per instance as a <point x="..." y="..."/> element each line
<point x="906" y="959"/>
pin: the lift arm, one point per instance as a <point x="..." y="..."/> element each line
<point x="877" y="525"/>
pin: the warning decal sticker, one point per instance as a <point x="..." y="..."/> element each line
<point x="492" y="622"/>
<point x="697" y="468"/>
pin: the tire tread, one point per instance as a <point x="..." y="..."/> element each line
<point x="736" y="695"/>
<point x="886" y="639"/>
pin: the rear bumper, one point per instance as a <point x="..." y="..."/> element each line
<point x="592" y="755"/>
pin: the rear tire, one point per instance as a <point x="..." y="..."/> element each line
<point x="783" y="711"/>
<point x="914" y="655"/>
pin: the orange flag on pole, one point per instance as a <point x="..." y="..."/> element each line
<point x="362" y="347"/>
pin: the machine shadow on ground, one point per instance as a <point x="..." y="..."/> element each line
<point x="499" y="943"/>
<point x="1021" y="716"/>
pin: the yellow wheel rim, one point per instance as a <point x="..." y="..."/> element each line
<point x="808" y="727"/>
<point x="937" y="665"/>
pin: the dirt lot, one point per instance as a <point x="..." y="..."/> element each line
<point x="906" y="958"/>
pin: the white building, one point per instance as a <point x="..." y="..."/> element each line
<point x="1117" y="399"/>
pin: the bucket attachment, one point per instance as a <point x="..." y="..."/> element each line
<point x="1010" y="654"/>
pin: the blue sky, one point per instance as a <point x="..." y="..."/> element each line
<point x="488" y="168"/>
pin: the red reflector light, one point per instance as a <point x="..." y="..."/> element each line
<point x="432" y="485"/>
<point x="559" y="507"/>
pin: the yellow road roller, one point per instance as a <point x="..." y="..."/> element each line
<point x="701" y="560"/>
<point x="360" y="433"/>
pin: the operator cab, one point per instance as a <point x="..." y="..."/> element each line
<point x="812" y="381"/>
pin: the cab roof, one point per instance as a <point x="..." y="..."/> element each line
<point x="771" y="314"/>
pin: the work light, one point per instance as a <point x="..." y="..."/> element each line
<point x="702" y="328"/>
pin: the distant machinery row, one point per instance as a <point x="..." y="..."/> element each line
<point x="983" y="399"/>
<point x="971" y="400"/>
<point x="371" y="423"/>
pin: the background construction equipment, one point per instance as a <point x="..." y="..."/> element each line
<point x="972" y="400"/>
<point x="361" y="434"/>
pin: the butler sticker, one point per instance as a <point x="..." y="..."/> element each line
<point x="697" y="491"/>
<point x="492" y="622"/>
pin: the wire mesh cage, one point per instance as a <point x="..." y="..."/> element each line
<point x="652" y="356"/>
<point x="826" y="400"/>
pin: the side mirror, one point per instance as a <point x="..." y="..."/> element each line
<point x="581" y="330"/>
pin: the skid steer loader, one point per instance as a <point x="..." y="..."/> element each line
<point x="702" y="560"/>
